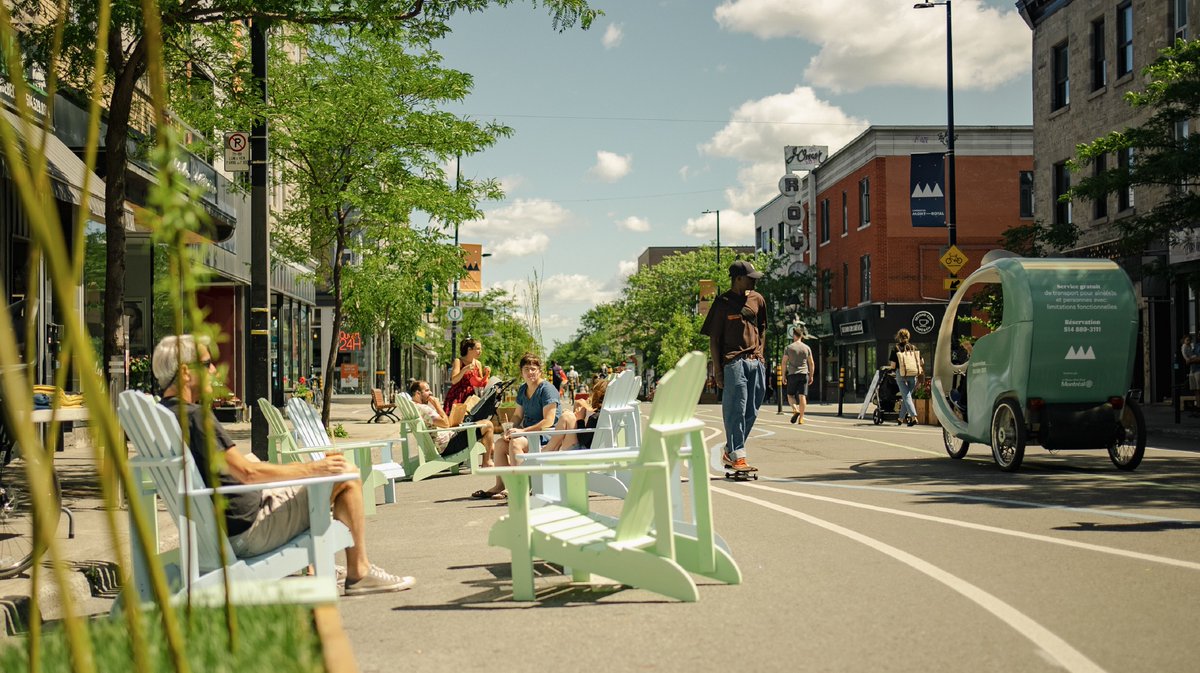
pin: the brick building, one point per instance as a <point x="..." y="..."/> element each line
<point x="876" y="236"/>
<point x="1087" y="54"/>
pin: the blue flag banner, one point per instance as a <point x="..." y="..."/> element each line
<point x="928" y="201"/>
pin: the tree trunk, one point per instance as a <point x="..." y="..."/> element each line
<point x="116" y="155"/>
<point x="336" y="329"/>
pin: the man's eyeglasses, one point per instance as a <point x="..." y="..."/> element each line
<point x="208" y="363"/>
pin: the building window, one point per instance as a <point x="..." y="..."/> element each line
<point x="1124" y="39"/>
<point x="824" y="220"/>
<point x="1179" y="19"/>
<point x="864" y="273"/>
<point x="1125" y="163"/>
<point x="1099" y="63"/>
<point x="1026" y="194"/>
<point x="827" y="289"/>
<point x="780" y="236"/>
<point x="1061" y="95"/>
<point x="864" y="202"/>
<point x="1100" y="205"/>
<point x="845" y="215"/>
<point x="845" y="284"/>
<point x="1062" y="183"/>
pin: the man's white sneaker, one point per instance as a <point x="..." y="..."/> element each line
<point x="377" y="581"/>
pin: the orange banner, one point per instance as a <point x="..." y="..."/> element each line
<point x="708" y="292"/>
<point x="472" y="262"/>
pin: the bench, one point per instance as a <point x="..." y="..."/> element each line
<point x="382" y="409"/>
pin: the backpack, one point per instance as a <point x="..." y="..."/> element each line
<point x="909" y="362"/>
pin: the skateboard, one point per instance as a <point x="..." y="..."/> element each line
<point x="742" y="475"/>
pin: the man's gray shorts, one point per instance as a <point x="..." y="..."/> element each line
<point x="282" y="515"/>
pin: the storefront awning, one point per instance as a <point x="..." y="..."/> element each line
<point x="66" y="170"/>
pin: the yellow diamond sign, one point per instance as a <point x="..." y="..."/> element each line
<point x="954" y="259"/>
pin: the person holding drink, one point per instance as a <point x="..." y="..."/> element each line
<point x="538" y="400"/>
<point x="467" y="374"/>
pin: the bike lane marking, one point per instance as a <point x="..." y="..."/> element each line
<point x="1070" y="658"/>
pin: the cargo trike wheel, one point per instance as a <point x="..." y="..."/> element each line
<point x="1129" y="443"/>
<point x="954" y="446"/>
<point x="1008" y="435"/>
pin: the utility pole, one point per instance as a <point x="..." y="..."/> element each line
<point x="258" y="367"/>
<point x="454" y="293"/>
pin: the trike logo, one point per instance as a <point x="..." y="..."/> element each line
<point x="1080" y="353"/>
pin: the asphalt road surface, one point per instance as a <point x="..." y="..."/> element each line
<point x="863" y="548"/>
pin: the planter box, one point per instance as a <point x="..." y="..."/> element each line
<point x="229" y="414"/>
<point x="925" y="413"/>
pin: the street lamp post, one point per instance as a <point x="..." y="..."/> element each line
<point x="951" y="215"/>
<point x="718" y="213"/>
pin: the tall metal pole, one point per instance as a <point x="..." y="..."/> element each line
<point x="718" y="213"/>
<point x="258" y="368"/>
<point x="454" y="301"/>
<point x="951" y="214"/>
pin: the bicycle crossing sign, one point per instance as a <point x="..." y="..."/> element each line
<point x="954" y="259"/>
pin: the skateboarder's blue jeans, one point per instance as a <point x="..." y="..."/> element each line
<point x="745" y="388"/>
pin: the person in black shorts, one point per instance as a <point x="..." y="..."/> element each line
<point x="799" y="361"/>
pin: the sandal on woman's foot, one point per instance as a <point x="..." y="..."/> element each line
<point x="484" y="495"/>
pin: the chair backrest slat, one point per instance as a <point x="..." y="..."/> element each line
<point x="412" y="422"/>
<point x="155" y="433"/>
<point x="307" y="425"/>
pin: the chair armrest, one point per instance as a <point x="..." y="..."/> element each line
<point x="263" y="485"/>
<point x="608" y="466"/>
<point x="580" y="456"/>
<point x="348" y="446"/>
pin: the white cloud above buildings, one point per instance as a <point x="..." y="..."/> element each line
<point x="611" y="166"/>
<point x="518" y="229"/>
<point x="868" y="43"/>
<point x="613" y="35"/>
<point x="737" y="227"/>
<point x="634" y="223"/>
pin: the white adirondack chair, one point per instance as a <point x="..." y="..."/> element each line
<point x="644" y="547"/>
<point x="196" y="565"/>
<point x="618" y="424"/>
<point x="309" y="433"/>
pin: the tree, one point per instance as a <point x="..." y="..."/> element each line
<point x="181" y="23"/>
<point x="1162" y="158"/>
<point x="506" y="336"/>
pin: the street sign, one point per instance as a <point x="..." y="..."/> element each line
<point x="954" y="259"/>
<point x="789" y="185"/>
<point x="951" y="283"/>
<point x="471" y="304"/>
<point x="237" y="151"/>
<point x="454" y="313"/>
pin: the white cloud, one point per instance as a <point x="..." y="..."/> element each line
<point x="807" y="120"/>
<point x="634" y="223"/>
<point x="519" y="246"/>
<point x="884" y="42"/>
<point x="611" y="166"/>
<point x="626" y="268"/>
<point x="510" y="183"/>
<point x="518" y="229"/>
<point x="575" y="288"/>
<point x="737" y="228"/>
<point x="613" y="36"/>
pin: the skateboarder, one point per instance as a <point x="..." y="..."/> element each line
<point x="736" y="326"/>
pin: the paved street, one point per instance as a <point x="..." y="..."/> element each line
<point x="863" y="547"/>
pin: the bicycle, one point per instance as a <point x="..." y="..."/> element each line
<point x="16" y="508"/>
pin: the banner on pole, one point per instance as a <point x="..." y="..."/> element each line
<point x="473" y="261"/>
<point x="928" y="200"/>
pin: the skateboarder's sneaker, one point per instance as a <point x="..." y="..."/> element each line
<point x="727" y="460"/>
<point x="740" y="465"/>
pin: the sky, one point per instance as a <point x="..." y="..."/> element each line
<point x="626" y="132"/>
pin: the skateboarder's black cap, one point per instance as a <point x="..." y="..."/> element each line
<point x="743" y="268"/>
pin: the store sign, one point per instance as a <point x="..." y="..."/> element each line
<point x="349" y="342"/>
<point x="923" y="322"/>
<point x="35" y="98"/>
<point x="851" y="328"/>
<point x="349" y="375"/>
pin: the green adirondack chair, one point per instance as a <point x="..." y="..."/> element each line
<point x="282" y="448"/>
<point x="431" y="462"/>
<point x="644" y="547"/>
<point x="308" y="431"/>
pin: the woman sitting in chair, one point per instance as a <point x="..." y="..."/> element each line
<point x="538" y="401"/>
<point x="583" y="417"/>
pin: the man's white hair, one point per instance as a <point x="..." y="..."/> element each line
<point x="170" y="352"/>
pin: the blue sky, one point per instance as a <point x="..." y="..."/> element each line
<point x="624" y="133"/>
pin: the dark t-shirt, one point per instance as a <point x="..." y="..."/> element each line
<point x="585" y="438"/>
<point x="738" y="321"/>
<point x="241" y="508"/>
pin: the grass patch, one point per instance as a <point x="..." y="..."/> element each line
<point x="275" y="638"/>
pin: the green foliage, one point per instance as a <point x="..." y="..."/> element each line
<point x="1161" y="161"/>
<point x="505" y="335"/>
<point x="681" y="336"/>
<point x="339" y="431"/>
<point x="279" y="638"/>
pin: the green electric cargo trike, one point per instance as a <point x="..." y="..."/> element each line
<point x="1055" y="372"/>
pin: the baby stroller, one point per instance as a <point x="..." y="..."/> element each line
<point x="887" y="397"/>
<point x="482" y="410"/>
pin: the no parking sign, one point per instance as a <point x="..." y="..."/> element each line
<point x="237" y="151"/>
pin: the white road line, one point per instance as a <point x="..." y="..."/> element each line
<point x="1190" y="565"/>
<point x="951" y="495"/>
<point x="1070" y="658"/>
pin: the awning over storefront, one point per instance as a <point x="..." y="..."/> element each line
<point x="66" y="170"/>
